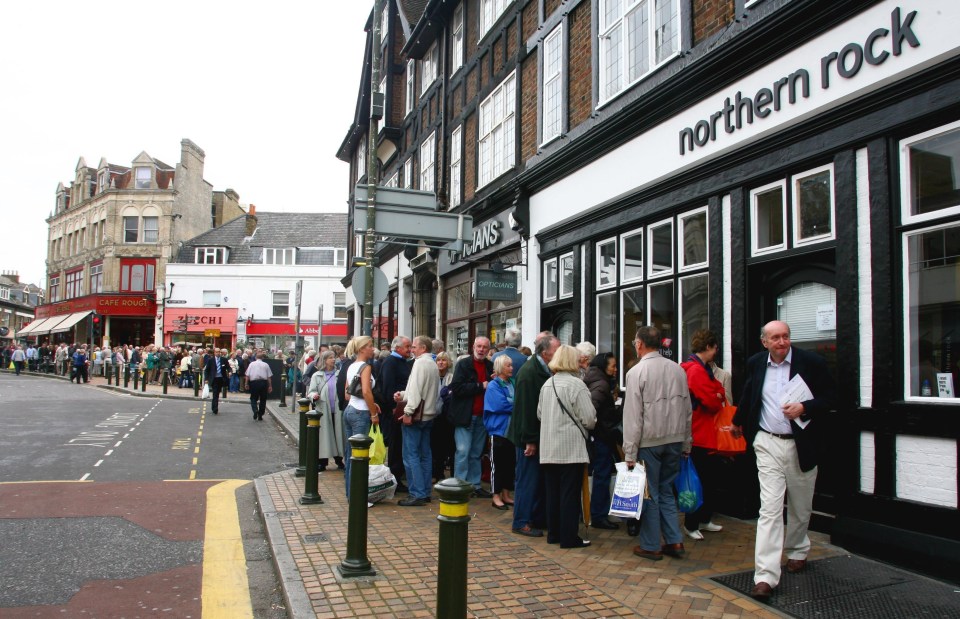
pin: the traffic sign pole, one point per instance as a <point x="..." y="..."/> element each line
<point x="373" y="171"/>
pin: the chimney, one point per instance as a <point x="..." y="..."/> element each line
<point x="251" y="225"/>
<point x="13" y="276"/>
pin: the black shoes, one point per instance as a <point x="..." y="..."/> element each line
<point x="412" y="502"/>
<point x="633" y="527"/>
<point x="480" y="493"/>
<point x="603" y="523"/>
<point x="402" y="487"/>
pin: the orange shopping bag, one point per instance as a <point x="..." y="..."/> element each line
<point x="726" y="444"/>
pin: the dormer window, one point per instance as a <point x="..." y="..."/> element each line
<point x="428" y="67"/>
<point x="102" y="176"/>
<point x="143" y="177"/>
<point x="210" y="255"/>
<point x="278" y="256"/>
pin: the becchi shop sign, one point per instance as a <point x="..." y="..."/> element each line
<point x="495" y="286"/>
<point x="199" y="319"/>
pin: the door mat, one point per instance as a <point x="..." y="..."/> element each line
<point x="851" y="587"/>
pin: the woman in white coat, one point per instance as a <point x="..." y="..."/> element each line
<point x="323" y="392"/>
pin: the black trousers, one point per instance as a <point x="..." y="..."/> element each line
<point x="216" y="384"/>
<point x="394" y="434"/>
<point x="563" y="483"/>
<point x="258" y="397"/>
<point x="80" y="371"/>
<point x="709" y="468"/>
<point x="503" y="464"/>
<point x="442" y="446"/>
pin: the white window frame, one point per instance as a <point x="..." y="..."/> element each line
<point x="155" y="231"/>
<point x="906" y="202"/>
<point x="457" y="40"/>
<point x="384" y="21"/>
<point x="607" y="29"/>
<point x="211" y="298"/>
<point x="682" y="266"/>
<point x="102" y="180"/>
<point x="210" y="255"/>
<point x="648" y="250"/>
<point x="136" y="219"/>
<point x="489" y="11"/>
<point x="495" y="127"/>
<point x="678" y="295"/>
<point x="905" y="275"/>
<point x="53" y="284"/>
<point x="411" y="93"/>
<point x="547" y="265"/>
<point x="428" y="67"/>
<point x="5" y="293"/>
<point x="616" y="262"/>
<point x="340" y="305"/>
<point x="280" y="256"/>
<point x="754" y="250"/>
<point x="362" y="157"/>
<point x="565" y="294"/>
<point x="408" y="173"/>
<point x="621" y="314"/>
<point x="623" y="256"/>
<point x="428" y="162"/>
<point x="274" y="304"/>
<point x="143" y="183"/>
<point x="96" y="278"/>
<point x="393" y="180"/>
<point x="456" y="166"/>
<point x="552" y="119"/>
<point x="795" y="208"/>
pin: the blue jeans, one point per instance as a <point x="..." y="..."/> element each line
<point x="470" y="441"/>
<point x="418" y="459"/>
<point x="354" y="422"/>
<point x="659" y="515"/>
<point x="529" y="505"/>
<point x="602" y="472"/>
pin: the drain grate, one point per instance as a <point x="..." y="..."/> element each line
<point x="852" y="587"/>
<point x="279" y="514"/>
<point x="314" y="538"/>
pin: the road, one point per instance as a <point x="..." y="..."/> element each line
<point x="118" y="506"/>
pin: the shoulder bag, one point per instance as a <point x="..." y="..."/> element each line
<point x="583" y="431"/>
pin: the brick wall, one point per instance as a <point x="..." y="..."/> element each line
<point x="530" y="20"/>
<point x="551" y="6"/>
<point x="512" y="39"/>
<point x="927" y="470"/>
<point x="469" y="157"/>
<point x="710" y="17"/>
<point x="528" y="107"/>
<point x="498" y="56"/>
<point x="579" y="89"/>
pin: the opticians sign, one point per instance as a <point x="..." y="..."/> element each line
<point x="495" y="286"/>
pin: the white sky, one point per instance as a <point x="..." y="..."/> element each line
<point x="267" y="90"/>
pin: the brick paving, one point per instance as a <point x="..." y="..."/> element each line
<point x="508" y="575"/>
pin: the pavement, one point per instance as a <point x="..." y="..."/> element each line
<point x="508" y="575"/>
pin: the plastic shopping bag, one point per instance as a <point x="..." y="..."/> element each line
<point x="381" y="484"/>
<point x="206" y="391"/>
<point x="378" y="450"/>
<point x="689" y="490"/>
<point x="628" y="490"/>
<point x="727" y="445"/>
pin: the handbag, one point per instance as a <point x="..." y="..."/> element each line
<point x="727" y="445"/>
<point x="416" y="417"/>
<point x="356" y="387"/>
<point x="583" y="431"/>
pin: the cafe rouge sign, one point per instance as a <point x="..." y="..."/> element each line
<point x="108" y="304"/>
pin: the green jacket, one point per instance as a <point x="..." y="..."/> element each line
<point x="525" y="427"/>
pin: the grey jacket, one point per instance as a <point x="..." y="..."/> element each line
<point x="561" y="441"/>
<point x="656" y="406"/>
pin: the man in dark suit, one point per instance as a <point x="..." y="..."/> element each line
<point x="216" y="373"/>
<point x="392" y="376"/>
<point x="783" y="435"/>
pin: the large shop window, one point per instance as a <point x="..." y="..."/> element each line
<point x="458" y="331"/>
<point x="671" y="293"/>
<point x="636" y="37"/>
<point x="806" y="203"/>
<point x="930" y="174"/>
<point x="137" y="275"/>
<point x="932" y="313"/>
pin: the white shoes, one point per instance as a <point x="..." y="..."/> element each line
<point x="707" y="526"/>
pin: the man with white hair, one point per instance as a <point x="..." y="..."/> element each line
<point x="470" y="377"/>
<point x="393" y="376"/>
<point x="511" y="338"/>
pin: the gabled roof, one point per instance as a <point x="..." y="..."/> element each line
<point x="277" y="230"/>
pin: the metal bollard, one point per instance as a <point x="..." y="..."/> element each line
<point x="136" y="379"/>
<point x="196" y="383"/>
<point x="356" y="563"/>
<point x="116" y="374"/>
<point x="126" y="376"/>
<point x="310" y="494"/>
<point x="107" y="374"/>
<point x="283" y="390"/>
<point x="452" y="553"/>
<point x="143" y="383"/>
<point x="163" y="381"/>
<point x="301" y="470"/>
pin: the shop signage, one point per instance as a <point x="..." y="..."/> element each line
<point x="211" y="333"/>
<point x="107" y="304"/>
<point x="176" y="301"/>
<point x="488" y="237"/>
<point x="495" y="286"/>
<point x="844" y="63"/>
<point x="199" y="319"/>
<point x="334" y="329"/>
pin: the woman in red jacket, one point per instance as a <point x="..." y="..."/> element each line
<point x="708" y="398"/>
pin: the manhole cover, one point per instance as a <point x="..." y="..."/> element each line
<point x="280" y="514"/>
<point x="314" y="538"/>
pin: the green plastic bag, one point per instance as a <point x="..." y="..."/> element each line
<point x="378" y="451"/>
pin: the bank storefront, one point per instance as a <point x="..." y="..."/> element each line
<point x="126" y="319"/>
<point x="494" y="262"/>
<point x="822" y="189"/>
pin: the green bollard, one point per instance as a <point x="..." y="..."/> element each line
<point x="356" y="563"/>
<point x="126" y="376"/>
<point x="283" y="390"/>
<point x="164" y="380"/>
<point x="311" y="496"/>
<point x="136" y="378"/>
<point x="301" y="470"/>
<point x="452" y="553"/>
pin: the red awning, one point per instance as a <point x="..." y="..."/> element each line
<point x="286" y="328"/>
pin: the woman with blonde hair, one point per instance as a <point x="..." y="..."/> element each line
<point x="566" y="416"/>
<point x="361" y="410"/>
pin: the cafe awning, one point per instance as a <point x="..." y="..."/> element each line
<point x="67" y="323"/>
<point x="40" y="325"/>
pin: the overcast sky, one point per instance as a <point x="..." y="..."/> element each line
<point x="267" y="90"/>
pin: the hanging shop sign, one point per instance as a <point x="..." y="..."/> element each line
<point x="489" y="237"/>
<point x="492" y="285"/>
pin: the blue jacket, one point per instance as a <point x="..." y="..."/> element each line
<point x="498" y="407"/>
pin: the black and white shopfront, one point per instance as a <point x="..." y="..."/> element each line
<point x="822" y="189"/>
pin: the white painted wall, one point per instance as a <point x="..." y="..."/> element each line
<point x="927" y="470"/>
<point x="865" y="279"/>
<point x="868" y="462"/>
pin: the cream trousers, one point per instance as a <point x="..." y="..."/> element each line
<point x="780" y="477"/>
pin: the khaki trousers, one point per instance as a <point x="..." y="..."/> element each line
<point x="780" y="477"/>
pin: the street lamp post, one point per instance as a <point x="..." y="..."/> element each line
<point x="373" y="167"/>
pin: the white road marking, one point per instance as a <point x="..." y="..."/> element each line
<point x="108" y="453"/>
<point x="84" y="478"/>
<point x="99" y="462"/>
<point x="118" y="443"/>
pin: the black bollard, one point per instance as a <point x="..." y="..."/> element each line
<point x="126" y="376"/>
<point x="107" y="374"/>
<point x="164" y="381"/>
<point x="311" y="496"/>
<point x="356" y="563"/>
<point x="283" y="390"/>
<point x="116" y="374"/>
<point x="452" y="553"/>
<point x="143" y="382"/>
<point x="196" y="383"/>
<point x="301" y="470"/>
<point x="136" y="378"/>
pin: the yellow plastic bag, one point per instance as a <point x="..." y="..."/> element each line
<point x="378" y="451"/>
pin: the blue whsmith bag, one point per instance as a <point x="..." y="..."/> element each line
<point x="689" y="489"/>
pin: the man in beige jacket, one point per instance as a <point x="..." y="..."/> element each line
<point x="423" y="387"/>
<point x="656" y="423"/>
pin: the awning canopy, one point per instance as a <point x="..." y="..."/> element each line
<point x="41" y="325"/>
<point x="67" y="323"/>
